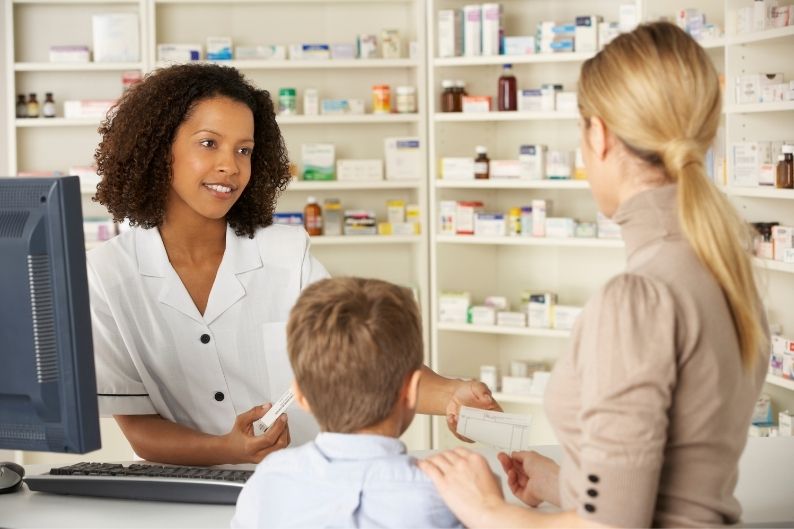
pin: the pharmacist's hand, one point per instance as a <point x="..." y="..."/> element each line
<point x="244" y="447"/>
<point x="469" y="393"/>
<point x="533" y="478"/>
<point x="466" y="484"/>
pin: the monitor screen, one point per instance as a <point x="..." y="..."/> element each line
<point x="48" y="398"/>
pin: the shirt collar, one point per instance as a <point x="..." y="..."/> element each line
<point x="357" y="446"/>
<point x="241" y="254"/>
<point x="649" y="216"/>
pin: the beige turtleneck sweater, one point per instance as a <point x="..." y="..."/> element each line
<point x="651" y="404"/>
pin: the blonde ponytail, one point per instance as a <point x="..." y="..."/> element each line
<point x="658" y="92"/>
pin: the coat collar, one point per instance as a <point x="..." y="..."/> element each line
<point x="241" y="255"/>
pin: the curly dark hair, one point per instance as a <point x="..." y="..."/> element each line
<point x="134" y="157"/>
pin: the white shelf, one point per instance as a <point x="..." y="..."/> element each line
<point x="513" y="59"/>
<point x="512" y="184"/>
<point x="761" y="36"/>
<point x="215" y="2"/>
<point x="343" y="240"/>
<point x="760" y="107"/>
<point x="74" y="2"/>
<point x="517" y="399"/>
<point x="775" y="266"/>
<point x="780" y="382"/>
<point x="708" y="44"/>
<point x="335" y="185"/>
<point x="331" y="64"/>
<point x="502" y="330"/>
<point x="76" y="66"/>
<point x="443" y="117"/>
<point x="759" y="192"/>
<point x="56" y="122"/>
<point x="572" y="242"/>
<point x="360" y="119"/>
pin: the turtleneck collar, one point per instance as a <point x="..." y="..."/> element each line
<point x="648" y="216"/>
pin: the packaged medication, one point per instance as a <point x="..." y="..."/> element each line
<point x="309" y="52"/>
<point x="465" y="212"/>
<point x="586" y="34"/>
<point x="70" y="54"/>
<point x="497" y="302"/>
<point x="538" y="218"/>
<point x="403" y="158"/>
<point x="492" y="29"/>
<point x="413" y="214"/>
<point x="560" y="227"/>
<point x="457" y="168"/>
<point x="585" y="230"/>
<point x="558" y="165"/>
<point x="749" y="88"/>
<point x="607" y="228"/>
<point x="565" y="316"/>
<point x="447" y="213"/>
<point x="318" y="161"/>
<point x="579" y="172"/>
<point x="381" y="99"/>
<point x="482" y="315"/>
<point x="219" y="48"/>
<point x="490" y="225"/>
<point x="782" y="240"/>
<point x="628" y="16"/>
<point x="395" y="211"/>
<point x="287" y="101"/>
<point x="472" y="30"/>
<point x="526" y="221"/>
<point x="532" y="162"/>
<point x="332" y="216"/>
<point x="453" y="307"/>
<point x="607" y="31"/>
<point x="367" y="46"/>
<point x="519" y="45"/>
<point x="406" y="99"/>
<point x="390" y="44"/>
<point x="530" y="100"/>
<point x="116" y="37"/>
<point x="260" y="53"/>
<point x="785" y="423"/>
<point x="359" y="170"/>
<point x="519" y="368"/>
<point x="90" y="108"/>
<point x="540" y="380"/>
<point x="565" y="102"/>
<point x="288" y="219"/>
<point x="360" y="222"/>
<point x="179" y="52"/>
<point x="505" y="169"/>
<point x="514" y="222"/>
<point x="343" y="51"/>
<point x="511" y="319"/>
<point x="540" y="310"/>
<point x="450" y="33"/>
<point x="342" y="106"/>
<point x="489" y="375"/>
<point x="476" y="103"/>
<point x="311" y="102"/>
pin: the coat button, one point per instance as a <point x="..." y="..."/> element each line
<point x="593" y="478"/>
<point x="205" y="338"/>
<point x="218" y="395"/>
<point x="592" y="493"/>
<point x="589" y="507"/>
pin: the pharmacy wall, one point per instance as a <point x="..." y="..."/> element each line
<point x="389" y="113"/>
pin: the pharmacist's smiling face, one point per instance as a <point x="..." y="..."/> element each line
<point x="211" y="158"/>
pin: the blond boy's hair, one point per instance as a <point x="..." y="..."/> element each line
<point x="352" y="344"/>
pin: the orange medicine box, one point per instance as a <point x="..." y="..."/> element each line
<point x="465" y="213"/>
<point x="476" y="103"/>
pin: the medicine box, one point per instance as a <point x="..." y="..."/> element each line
<point x="395" y="211"/>
<point x="457" y="168"/>
<point x="398" y="228"/>
<point x="179" y="52"/>
<point x="116" y="37"/>
<point x="274" y="52"/>
<point x="558" y="165"/>
<point x="511" y="319"/>
<point x="490" y="225"/>
<point x="540" y="309"/>
<point x="390" y="44"/>
<point x="749" y="88"/>
<point x="782" y="240"/>
<point x="586" y="35"/>
<point x="607" y="31"/>
<point x="453" y="307"/>
<point x="87" y="108"/>
<point x="517" y="385"/>
<point x="465" y="212"/>
<point x="497" y="302"/>
<point x="403" y="158"/>
<point x="413" y="214"/>
<point x="318" y="161"/>
<point x="539" y="208"/>
<point x="785" y="423"/>
<point x="565" y="317"/>
<point x="530" y="100"/>
<point x="746" y="158"/>
<point x="367" y="46"/>
<point x="447" y="217"/>
<point x="519" y="45"/>
<point x="492" y="29"/>
<point x="472" y="30"/>
<point x="288" y="218"/>
<point x="343" y="51"/>
<point x="360" y="222"/>
<point x="342" y="106"/>
<point x="788" y="255"/>
<point x="476" y="103"/>
<point x="69" y="54"/>
<point x="359" y="170"/>
<point x="309" y="52"/>
<point x="505" y="169"/>
<point x="482" y="315"/>
<point x="219" y="48"/>
<point x="560" y="227"/>
<point x="565" y="102"/>
<point x="450" y="33"/>
<point x="532" y="162"/>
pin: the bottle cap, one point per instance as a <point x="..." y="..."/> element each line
<point x="788" y="149"/>
<point x="447" y="83"/>
<point x="311" y="200"/>
<point x="481" y="149"/>
<point x="460" y="84"/>
<point x="781" y="158"/>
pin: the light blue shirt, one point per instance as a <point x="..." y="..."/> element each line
<point x="341" y="480"/>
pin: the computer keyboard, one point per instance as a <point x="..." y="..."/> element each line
<point x="144" y="482"/>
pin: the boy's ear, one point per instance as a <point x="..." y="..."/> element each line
<point x="300" y="398"/>
<point x="410" y="388"/>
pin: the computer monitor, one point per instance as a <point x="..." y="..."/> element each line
<point x="48" y="398"/>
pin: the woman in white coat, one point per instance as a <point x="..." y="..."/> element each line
<point x="189" y="307"/>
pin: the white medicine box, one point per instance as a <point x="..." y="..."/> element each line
<point x="116" y="37"/>
<point x="403" y="158"/>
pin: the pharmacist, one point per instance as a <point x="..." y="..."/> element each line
<point x="652" y="403"/>
<point x="189" y="307"/>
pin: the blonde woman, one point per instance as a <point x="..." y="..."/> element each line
<point x="652" y="403"/>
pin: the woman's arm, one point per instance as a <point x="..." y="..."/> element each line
<point x="156" y="439"/>
<point x="472" y="492"/>
<point x="444" y="396"/>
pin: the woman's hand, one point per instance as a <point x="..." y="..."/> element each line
<point x="469" y="393"/>
<point x="465" y="482"/>
<point x="532" y="477"/>
<point x="244" y="447"/>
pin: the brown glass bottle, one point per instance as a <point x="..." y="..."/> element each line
<point x="313" y="217"/>
<point x="482" y="165"/>
<point x="448" y="96"/>
<point x="33" y="106"/>
<point x="785" y="168"/>
<point x="508" y="89"/>
<point x="460" y="92"/>
<point x="22" y="106"/>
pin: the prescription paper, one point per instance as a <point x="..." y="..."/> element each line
<point x="508" y="432"/>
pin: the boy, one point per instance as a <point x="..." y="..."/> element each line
<point x="355" y="346"/>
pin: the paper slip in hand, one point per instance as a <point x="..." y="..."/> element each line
<point x="508" y="432"/>
<point x="280" y="406"/>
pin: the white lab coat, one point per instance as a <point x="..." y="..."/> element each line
<point x="155" y="353"/>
